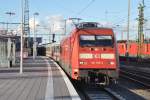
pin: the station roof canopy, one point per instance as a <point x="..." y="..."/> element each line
<point x="7" y="36"/>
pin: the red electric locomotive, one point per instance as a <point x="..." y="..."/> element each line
<point x="90" y="54"/>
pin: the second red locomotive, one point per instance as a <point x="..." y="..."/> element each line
<point x="133" y="49"/>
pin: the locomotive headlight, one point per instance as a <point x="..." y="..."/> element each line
<point x="81" y="62"/>
<point x="86" y="56"/>
<point x="76" y="70"/>
<point x="112" y="63"/>
<point x="107" y="56"/>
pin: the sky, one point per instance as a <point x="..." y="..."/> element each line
<point x="107" y="12"/>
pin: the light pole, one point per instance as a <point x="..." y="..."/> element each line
<point x="128" y="30"/>
<point x="21" y="39"/>
<point x="34" y="36"/>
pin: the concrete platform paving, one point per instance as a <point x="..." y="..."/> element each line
<point x="42" y="79"/>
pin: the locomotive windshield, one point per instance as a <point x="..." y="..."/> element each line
<point x="96" y="40"/>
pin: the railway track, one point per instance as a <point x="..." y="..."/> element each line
<point x="130" y="90"/>
<point x="93" y="92"/>
<point x="136" y="71"/>
<point x="140" y="77"/>
<point x="137" y="91"/>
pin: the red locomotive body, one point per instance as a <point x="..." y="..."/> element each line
<point x="90" y="52"/>
<point x="133" y="49"/>
<point x="122" y="48"/>
<point x="146" y="50"/>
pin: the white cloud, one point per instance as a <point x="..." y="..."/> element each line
<point x="31" y="23"/>
<point x="56" y="23"/>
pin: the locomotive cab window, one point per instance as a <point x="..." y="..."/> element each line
<point x="96" y="40"/>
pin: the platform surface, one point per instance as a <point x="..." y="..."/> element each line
<point x="42" y="79"/>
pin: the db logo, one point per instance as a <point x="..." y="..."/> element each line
<point x="96" y="56"/>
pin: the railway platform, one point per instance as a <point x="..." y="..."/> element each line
<point x="42" y="79"/>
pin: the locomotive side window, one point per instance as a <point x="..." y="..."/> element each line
<point x="96" y="40"/>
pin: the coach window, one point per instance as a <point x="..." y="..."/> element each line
<point x="147" y="47"/>
<point x="58" y="47"/>
<point x="60" y="50"/>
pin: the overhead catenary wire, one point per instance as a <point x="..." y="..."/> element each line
<point x="87" y="6"/>
<point x="65" y="8"/>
